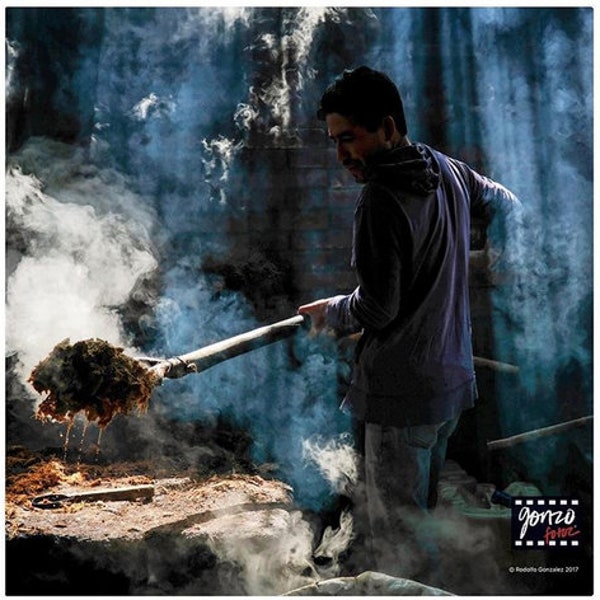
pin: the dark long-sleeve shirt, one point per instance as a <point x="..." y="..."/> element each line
<point x="414" y="363"/>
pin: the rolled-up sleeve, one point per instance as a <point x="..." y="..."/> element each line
<point x="489" y="198"/>
<point x="498" y="207"/>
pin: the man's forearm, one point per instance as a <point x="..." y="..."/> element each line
<point x="339" y="316"/>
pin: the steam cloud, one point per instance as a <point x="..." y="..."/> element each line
<point x="81" y="261"/>
<point x="336" y="460"/>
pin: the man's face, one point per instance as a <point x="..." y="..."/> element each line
<point x="354" y="143"/>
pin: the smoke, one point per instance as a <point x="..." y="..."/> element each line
<point x="281" y="407"/>
<point x="11" y="54"/>
<point x="334" y="542"/>
<point x="515" y="100"/>
<point x="336" y="460"/>
<point x="270" y="103"/>
<point x="267" y="107"/>
<point x="471" y="549"/>
<point x="152" y="105"/>
<point x="273" y="549"/>
<point x="219" y="154"/>
<point x="71" y="261"/>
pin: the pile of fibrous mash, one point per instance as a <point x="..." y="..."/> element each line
<point x="92" y="377"/>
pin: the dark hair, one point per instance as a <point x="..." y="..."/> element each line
<point x="366" y="97"/>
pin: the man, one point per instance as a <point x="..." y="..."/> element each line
<point x="413" y="371"/>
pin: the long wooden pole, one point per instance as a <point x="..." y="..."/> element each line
<point x="203" y="358"/>
<point x="535" y="434"/>
<point x="494" y="365"/>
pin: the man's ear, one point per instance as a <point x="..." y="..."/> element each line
<point x="389" y="128"/>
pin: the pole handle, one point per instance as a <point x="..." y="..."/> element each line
<point x="208" y="356"/>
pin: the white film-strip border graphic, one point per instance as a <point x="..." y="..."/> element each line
<point x="545" y="503"/>
<point x="531" y="543"/>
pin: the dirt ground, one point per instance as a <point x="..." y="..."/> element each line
<point x="179" y="501"/>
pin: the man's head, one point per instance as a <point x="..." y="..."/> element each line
<point x="364" y="115"/>
<point x="366" y="97"/>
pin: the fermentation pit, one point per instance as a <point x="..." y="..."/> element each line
<point x="169" y="543"/>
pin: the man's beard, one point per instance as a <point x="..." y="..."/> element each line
<point x="356" y="169"/>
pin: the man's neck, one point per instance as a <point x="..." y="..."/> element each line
<point x="401" y="142"/>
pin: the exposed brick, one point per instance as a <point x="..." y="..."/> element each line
<point x="337" y="238"/>
<point x="313" y="285"/>
<point x="304" y="240"/>
<point x="346" y="282"/>
<point x="240" y="236"/>
<point x="323" y="260"/>
<point x="302" y="158"/>
<point x="341" y="220"/>
<point x="260" y="221"/>
<point x="317" y="240"/>
<point x="311" y="198"/>
<point x="301" y="202"/>
<point x="311" y="219"/>
<point x="332" y="160"/>
<point x="314" y="137"/>
<point x="343" y="197"/>
<point x="264" y="158"/>
<point x="315" y="177"/>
